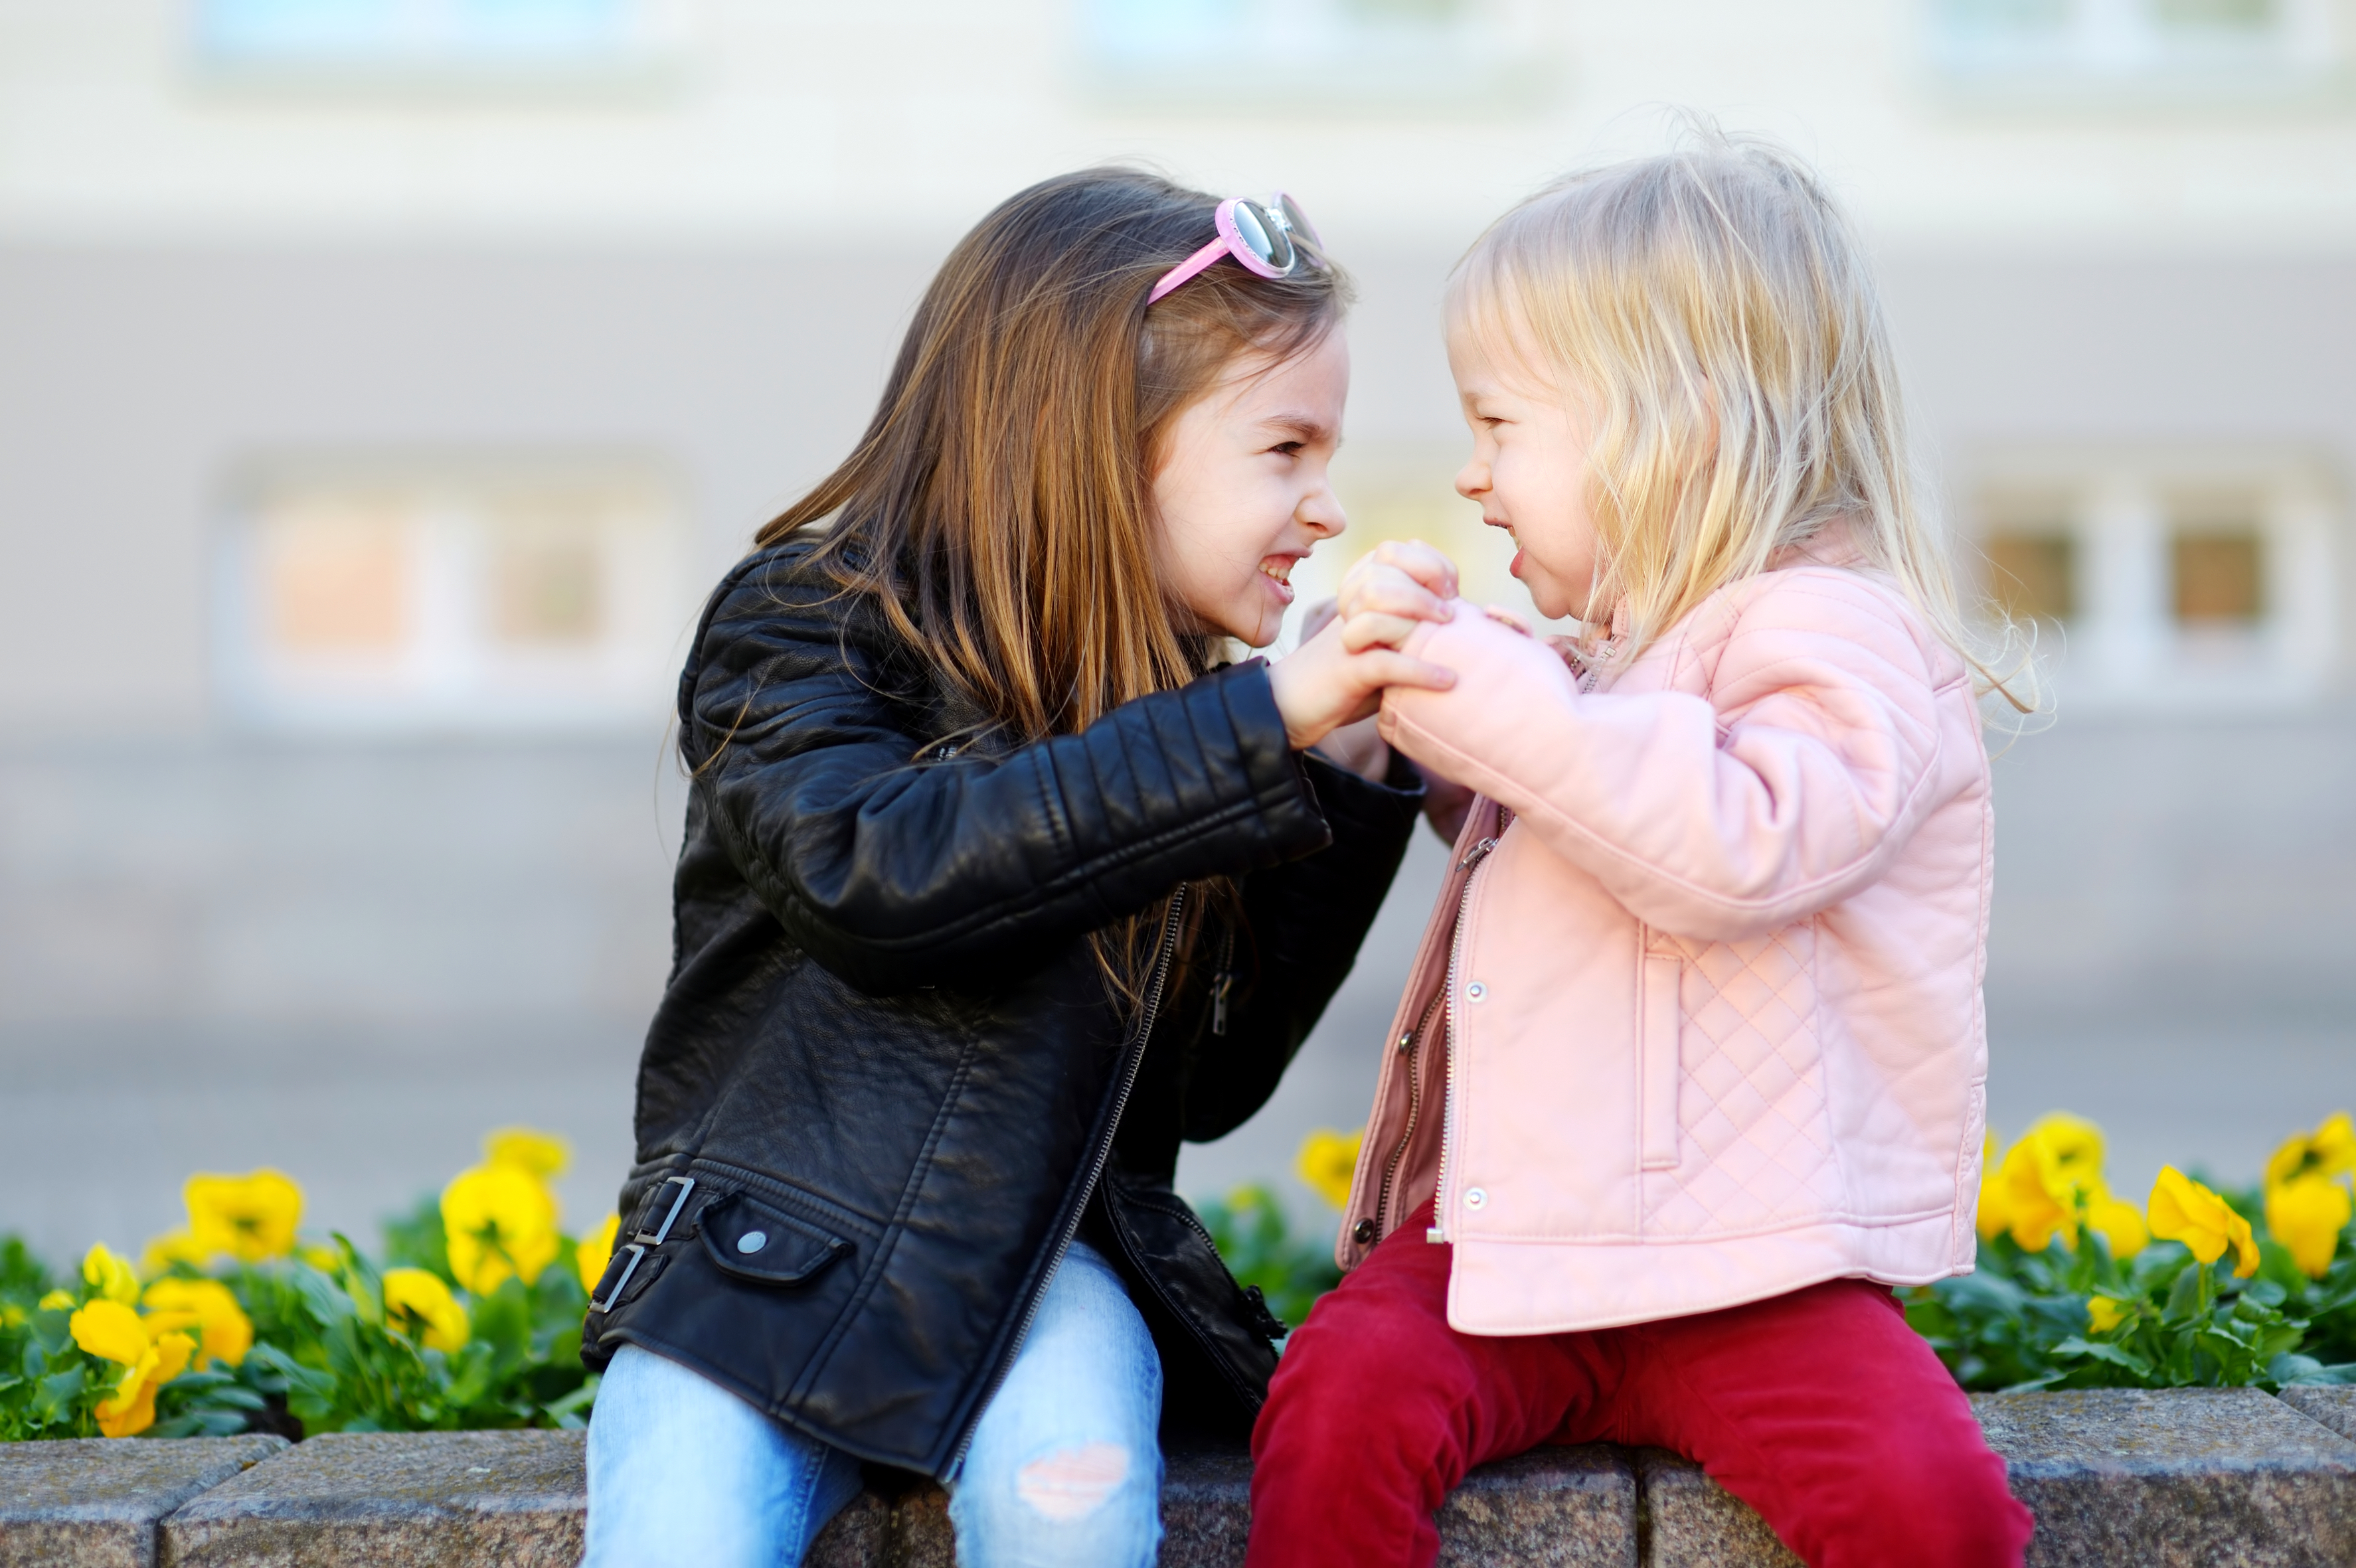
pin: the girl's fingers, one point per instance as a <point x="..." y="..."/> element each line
<point x="1372" y="630"/>
<point x="1388" y="589"/>
<point x="1419" y="561"/>
<point x="1387" y="667"/>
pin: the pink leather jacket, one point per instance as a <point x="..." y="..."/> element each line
<point x="1702" y="1025"/>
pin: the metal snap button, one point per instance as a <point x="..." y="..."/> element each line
<point x="1362" y="1232"/>
<point x="752" y="1240"/>
<point x="1476" y="1199"/>
<point x="1475" y="991"/>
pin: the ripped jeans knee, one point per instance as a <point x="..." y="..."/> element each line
<point x="1065" y="1468"/>
<point x="1072" y="1483"/>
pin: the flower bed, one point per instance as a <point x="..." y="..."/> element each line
<point x="469" y="1315"/>
<point x="235" y="1323"/>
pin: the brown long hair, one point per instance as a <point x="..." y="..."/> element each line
<point x="998" y="509"/>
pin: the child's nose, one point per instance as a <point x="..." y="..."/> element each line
<point x="1471" y="479"/>
<point x="1322" y="510"/>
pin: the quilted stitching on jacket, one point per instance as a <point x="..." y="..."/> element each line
<point x="1754" y="1146"/>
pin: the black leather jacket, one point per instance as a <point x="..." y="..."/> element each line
<point x="887" y="1083"/>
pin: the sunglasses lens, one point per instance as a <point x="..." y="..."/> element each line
<point x="1265" y="237"/>
<point x="1299" y="220"/>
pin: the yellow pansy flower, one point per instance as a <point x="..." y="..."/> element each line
<point x="594" y="1250"/>
<point x="1327" y="1160"/>
<point x="172" y="1247"/>
<point x="224" y="1333"/>
<point x="58" y="1301"/>
<point x="2040" y="1200"/>
<point x="113" y="1332"/>
<point x="2117" y="1222"/>
<point x="110" y="1275"/>
<point x="498" y="1220"/>
<point x="326" y="1260"/>
<point x="2073" y="1145"/>
<point x="419" y="1304"/>
<point x="2103" y="1314"/>
<point x="251" y="1217"/>
<point x="2329" y="1150"/>
<point x="2306" y="1214"/>
<point x="544" y="1155"/>
<point x="2184" y="1211"/>
<point x="1994" y="1217"/>
<point x="2050" y="1183"/>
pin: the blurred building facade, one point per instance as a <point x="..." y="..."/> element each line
<point x="381" y="383"/>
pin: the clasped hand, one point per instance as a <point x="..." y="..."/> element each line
<point x="1337" y="675"/>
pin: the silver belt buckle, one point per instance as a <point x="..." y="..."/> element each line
<point x="637" y="1246"/>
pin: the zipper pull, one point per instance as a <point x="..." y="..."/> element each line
<point x="1221" y="983"/>
<point x="1475" y="855"/>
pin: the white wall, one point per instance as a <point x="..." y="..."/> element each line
<point x="798" y="120"/>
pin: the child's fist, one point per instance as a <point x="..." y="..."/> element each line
<point x="1325" y="683"/>
<point x="1396" y="584"/>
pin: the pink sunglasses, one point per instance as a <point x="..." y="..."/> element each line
<point x="1269" y="238"/>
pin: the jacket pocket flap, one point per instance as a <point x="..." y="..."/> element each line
<point x="753" y="1240"/>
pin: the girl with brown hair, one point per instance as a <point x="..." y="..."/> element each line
<point x="998" y="882"/>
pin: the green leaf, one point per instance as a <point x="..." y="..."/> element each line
<point x="2104" y="1350"/>
<point x="2188" y="1296"/>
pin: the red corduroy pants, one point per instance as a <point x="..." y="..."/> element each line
<point x="1821" y="1409"/>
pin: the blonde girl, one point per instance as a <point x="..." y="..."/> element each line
<point x="1689" y="1072"/>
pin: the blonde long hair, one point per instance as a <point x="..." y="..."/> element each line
<point x="1714" y="311"/>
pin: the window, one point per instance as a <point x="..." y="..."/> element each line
<point x="439" y="38"/>
<point x="1272" y="57"/>
<point x="2167" y="580"/>
<point x="485" y="598"/>
<point x="2200" y="44"/>
<point x="2032" y="559"/>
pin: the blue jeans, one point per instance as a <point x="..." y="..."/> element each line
<point x="1064" y="1470"/>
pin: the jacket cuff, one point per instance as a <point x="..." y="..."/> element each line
<point x="1356" y="807"/>
<point x="1276" y="771"/>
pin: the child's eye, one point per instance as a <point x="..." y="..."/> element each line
<point x="1287" y="449"/>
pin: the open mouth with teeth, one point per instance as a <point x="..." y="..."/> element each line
<point x="1277" y="569"/>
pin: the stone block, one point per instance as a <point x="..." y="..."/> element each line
<point x="1552" y="1507"/>
<point x="1691" y="1521"/>
<point x="2334" y="1407"/>
<point x="2192" y="1477"/>
<point x="2184" y="1479"/>
<point x="1206" y="1508"/>
<point x="439" y="1499"/>
<point x="1557" y="1507"/>
<point x="95" y="1502"/>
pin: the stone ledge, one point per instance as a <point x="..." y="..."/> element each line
<point x="2201" y="1477"/>
<point x="1557" y="1507"/>
<point x="2223" y="1476"/>
<point x="96" y="1501"/>
<point x="393" y="1500"/>
<point x="2334" y="1407"/>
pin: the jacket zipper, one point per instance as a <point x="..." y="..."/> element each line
<point x="1135" y="1060"/>
<point x="1472" y="866"/>
<point x="1223" y="982"/>
<point x="1411" y="1044"/>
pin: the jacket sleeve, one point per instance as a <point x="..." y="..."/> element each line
<point x="1303" y="922"/>
<point x="1784" y="791"/>
<point x="897" y="873"/>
